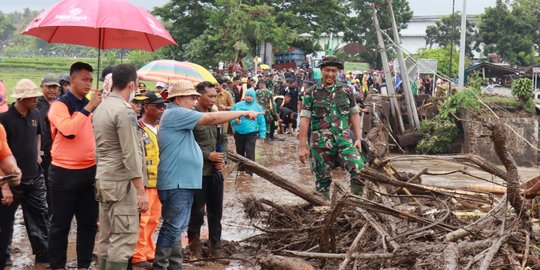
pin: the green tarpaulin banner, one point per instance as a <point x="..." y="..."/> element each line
<point x="356" y="66"/>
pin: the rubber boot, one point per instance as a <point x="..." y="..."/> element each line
<point x="161" y="261"/>
<point x="195" y="248"/>
<point x="117" y="265"/>
<point x="102" y="262"/>
<point x="357" y="189"/>
<point x="326" y="194"/>
<point x="216" y="251"/>
<point x="175" y="261"/>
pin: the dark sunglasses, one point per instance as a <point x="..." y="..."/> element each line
<point x="158" y="105"/>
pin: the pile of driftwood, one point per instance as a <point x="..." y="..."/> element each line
<point x="398" y="223"/>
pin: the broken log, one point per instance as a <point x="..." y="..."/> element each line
<point x="276" y="262"/>
<point x="451" y="254"/>
<point x="468" y="159"/>
<point x="310" y="196"/>
<point x="512" y="177"/>
<point x="375" y="225"/>
<point x="340" y="255"/>
<point x="229" y="169"/>
<point x="374" y="175"/>
<point x="353" y="247"/>
<point x="492" y="251"/>
<point x="478" y="225"/>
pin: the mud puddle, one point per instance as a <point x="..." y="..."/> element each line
<point x="281" y="157"/>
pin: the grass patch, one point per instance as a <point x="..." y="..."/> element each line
<point x="511" y="104"/>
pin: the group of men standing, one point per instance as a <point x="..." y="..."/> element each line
<point x="161" y="165"/>
<point x="104" y="161"/>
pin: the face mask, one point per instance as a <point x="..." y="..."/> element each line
<point x="131" y="95"/>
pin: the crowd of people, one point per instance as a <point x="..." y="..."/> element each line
<point x="125" y="159"/>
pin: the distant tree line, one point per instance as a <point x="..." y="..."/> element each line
<point x="509" y="29"/>
<point x="209" y="31"/>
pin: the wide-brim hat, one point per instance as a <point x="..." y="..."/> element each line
<point x="182" y="88"/>
<point x="330" y="60"/>
<point x="26" y="89"/>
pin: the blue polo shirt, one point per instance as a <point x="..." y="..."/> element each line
<point x="181" y="159"/>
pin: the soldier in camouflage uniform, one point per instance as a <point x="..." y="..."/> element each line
<point x="265" y="99"/>
<point x="328" y="109"/>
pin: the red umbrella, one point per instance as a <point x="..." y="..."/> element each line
<point x="102" y="24"/>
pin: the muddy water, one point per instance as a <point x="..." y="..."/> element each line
<point x="281" y="157"/>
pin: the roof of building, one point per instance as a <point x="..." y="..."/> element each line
<point x="493" y="69"/>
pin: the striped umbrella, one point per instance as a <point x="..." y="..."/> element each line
<point x="170" y="71"/>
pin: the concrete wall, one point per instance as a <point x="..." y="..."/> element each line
<point x="475" y="140"/>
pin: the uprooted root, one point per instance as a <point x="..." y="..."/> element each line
<point x="410" y="237"/>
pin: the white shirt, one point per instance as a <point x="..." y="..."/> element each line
<point x="151" y="127"/>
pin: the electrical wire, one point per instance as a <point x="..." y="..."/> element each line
<point x="441" y="75"/>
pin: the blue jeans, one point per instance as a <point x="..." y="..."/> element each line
<point x="175" y="213"/>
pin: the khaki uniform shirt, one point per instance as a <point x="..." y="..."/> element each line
<point x="224" y="98"/>
<point x="118" y="152"/>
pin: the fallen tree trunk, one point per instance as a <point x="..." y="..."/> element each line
<point x="376" y="176"/>
<point x="276" y="262"/>
<point x="512" y="177"/>
<point x="468" y="159"/>
<point x="479" y="224"/>
<point x="451" y="255"/>
<point x="280" y="181"/>
<point x="340" y="255"/>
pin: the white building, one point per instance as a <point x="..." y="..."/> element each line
<point x="413" y="37"/>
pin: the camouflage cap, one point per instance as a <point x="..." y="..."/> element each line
<point x="50" y="79"/>
<point x="330" y="60"/>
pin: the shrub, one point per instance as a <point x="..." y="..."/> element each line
<point x="438" y="134"/>
<point x="522" y="89"/>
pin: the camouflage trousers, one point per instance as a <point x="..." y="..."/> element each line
<point x="325" y="152"/>
<point x="269" y="118"/>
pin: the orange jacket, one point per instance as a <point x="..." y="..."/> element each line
<point x="75" y="153"/>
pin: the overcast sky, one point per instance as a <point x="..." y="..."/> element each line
<point x="420" y="7"/>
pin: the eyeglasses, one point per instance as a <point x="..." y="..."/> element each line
<point x="158" y="105"/>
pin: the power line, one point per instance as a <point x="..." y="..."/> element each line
<point x="441" y="75"/>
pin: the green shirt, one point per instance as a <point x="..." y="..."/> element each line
<point x="207" y="137"/>
<point x="329" y="109"/>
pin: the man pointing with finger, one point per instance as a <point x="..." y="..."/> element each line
<point x="180" y="168"/>
<point x="119" y="184"/>
<point x="328" y="109"/>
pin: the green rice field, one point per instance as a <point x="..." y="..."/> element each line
<point x="13" y="69"/>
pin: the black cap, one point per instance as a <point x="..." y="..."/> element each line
<point x="106" y="71"/>
<point x="153" y="98"/>
<point x="222" y="80"/>
<point x="64" y="78"/>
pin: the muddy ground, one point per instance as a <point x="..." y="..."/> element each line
<point x="280" y="156"/>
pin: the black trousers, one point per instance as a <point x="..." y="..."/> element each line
<point x="245" y="145"/>
<point x="211" y="196"/>
<point x="45" y="164"/>
<point x="72" y="194"/>
<point x="31" y="196"/>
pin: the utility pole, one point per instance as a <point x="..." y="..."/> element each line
<point x="451" y="48"/>
<point x="462" y="45"/>
<point x="394" y="105"/>
<point x="407" y="92"/>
